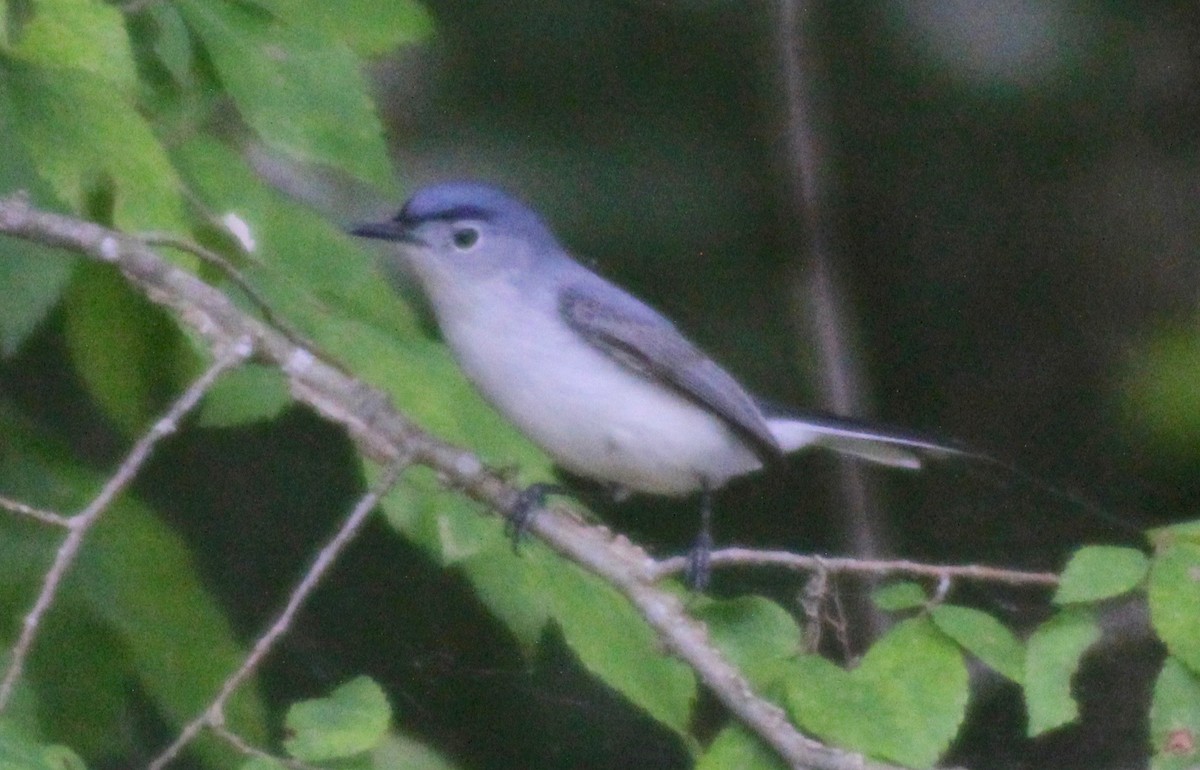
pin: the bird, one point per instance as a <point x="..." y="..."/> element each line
<point x="605" y="384"/>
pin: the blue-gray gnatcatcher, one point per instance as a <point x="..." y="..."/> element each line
<point x="607" y="386"/>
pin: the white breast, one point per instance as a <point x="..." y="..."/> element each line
<point x="593" y="416"/>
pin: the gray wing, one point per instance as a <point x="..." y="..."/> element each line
<point x="649" y="345"/>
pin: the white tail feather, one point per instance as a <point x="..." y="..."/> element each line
<point x="892" y="450"/>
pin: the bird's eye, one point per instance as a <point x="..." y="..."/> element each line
<point x="466" y="237"/>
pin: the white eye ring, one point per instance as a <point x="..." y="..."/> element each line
<point x="465" y="238"/>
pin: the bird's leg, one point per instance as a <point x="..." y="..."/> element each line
<point x="521" y="514"/>
<point x="699" y="567"/>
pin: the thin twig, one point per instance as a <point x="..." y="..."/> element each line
<point x="240" y="743"/>
<point x="38" y="514"/>
<point x="78" y="525"/>
<point x="234" y="275"/>
<point x="214" y="715"/>
<point x="812" y="601"/>
<point x="749" y="557"/>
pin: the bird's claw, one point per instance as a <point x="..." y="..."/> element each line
<point x="520" y="515"/>
<point x="699" y="562"/>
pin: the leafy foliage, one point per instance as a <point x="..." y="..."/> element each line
<point x="903" y="702"/>
<point x="1053" y="656"/>
<point x="124" y="117"/>
<point x="1175" y="718"/>
<point x="134" y="611"/>
<point x="1100" y="572"/>
<point x="352" y="720"/>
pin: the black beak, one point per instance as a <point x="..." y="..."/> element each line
<point x="391" y="230"/>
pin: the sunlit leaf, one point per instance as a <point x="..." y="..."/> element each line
<point x="904" y="702"/>
<point x="302" y="92"/>
<point x="1175" y="718"/>
<point x="249" y="393"/>
<point x="984" y="637"/>
<point x="126" y="349"/>
<point x="756" y="634"/>
<point x="616" y="644"/>
<point x="1052" y="655"/>
<point x="79" y="34"/>
<point x="1174" y="595"/>
<point x="368" y="26"/>
<point x="904" y="595"/>
<point x="1099" y="572"/>
<point x="737" y="747"/>
<point x="84" y="137"/>
<point x="352" y="720"/>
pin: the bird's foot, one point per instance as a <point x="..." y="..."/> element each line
<point x="699" y="562"/>
<point x="521" y="514"/>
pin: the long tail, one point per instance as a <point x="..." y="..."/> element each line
<point x="912" y="451"/>
<point x="886" y="446"/>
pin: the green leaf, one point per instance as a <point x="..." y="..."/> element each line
<point x="262" y="763"/>
<point x="308" y="270"/>
<point x="21" y="720"/>
<point x="303" y="93"/>
<point x="133" y="617"/>
<point x="122" y="345"/>
<point x="450" y="527"/>
<point x="398" y="751"/>
<point x="80" y="34"/>
<point x="1186" y="531"/>
<point x="368" y="26"/>
<point x="34" y="276"/>
<point x="903" y="703"/>
<point x="516" y="590"/>
<point x="20" y="752"/>
<point x="737" y="747"/>
<point x="1052" y="655"/>
<point x="85" y="138"/>
<point x="1175" y="718"/>
<point x="984" y="637"/>
<point x="900" y="596"/>
<point x="616" y="644"/>
<point x="138" y="576"/>
<point x="62" y="758"/>
<point x="1100" y="572"/>
<point x="1174" y="595"/>
<point x="756" y="634"/>
<point x="172" y="42"/>
<point x="247" y="394"/>
<point x="352" y="720"/>
<point x="87" y="688"/>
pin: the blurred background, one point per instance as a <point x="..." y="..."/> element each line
<point x="1003" y="199"/>
<point x="975" y="220"/>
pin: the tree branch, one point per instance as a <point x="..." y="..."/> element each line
<point x="214" y="715"/>
<point x="874" y="567"/>
<point x="229" y="354"/>
<point x="388" y="437"/>
<point x="37" y="514"/>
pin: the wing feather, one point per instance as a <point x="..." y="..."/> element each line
<point x="649" y="345"/>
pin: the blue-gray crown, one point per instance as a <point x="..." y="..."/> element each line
<point x="469" y="200"/>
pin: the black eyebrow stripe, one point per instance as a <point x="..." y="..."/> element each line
<point x="450" y="214"/>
